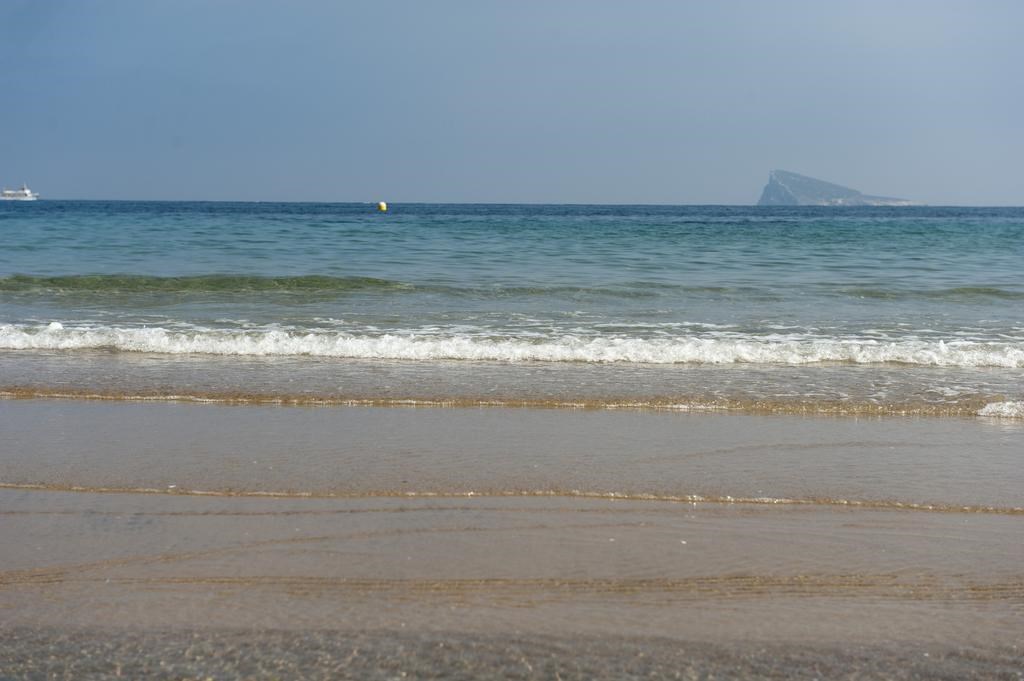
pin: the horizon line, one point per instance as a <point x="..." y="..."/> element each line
<point x="514" y="203"/>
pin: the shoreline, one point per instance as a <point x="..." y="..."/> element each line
<point x="990" y="407"/>
<point x="827" y="390"/>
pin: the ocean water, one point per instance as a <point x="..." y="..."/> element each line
<point x="846" y="503"/>
<point x="838" y="310"/>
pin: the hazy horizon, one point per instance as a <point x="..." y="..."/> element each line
<point x="574" y="102"/>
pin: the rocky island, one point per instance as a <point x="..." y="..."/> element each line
<point x="790" y="189"/>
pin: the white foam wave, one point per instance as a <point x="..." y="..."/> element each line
<point x="566" y="348"/>
<point x="1006" y="410"/>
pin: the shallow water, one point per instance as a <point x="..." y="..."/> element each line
<point x="706" y="572"/>
<point x="330" y="654"/>
<point x="761" y="545"/>
<point x="834" y="389"/>
<point x="372" y="451"/>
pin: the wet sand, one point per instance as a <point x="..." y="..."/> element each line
<point x="367" y="542"/>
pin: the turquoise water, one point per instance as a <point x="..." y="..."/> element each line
<point x="923" y="300"/>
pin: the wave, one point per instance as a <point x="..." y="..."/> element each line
<point x="566" y="348"/>
<point x="206" y="283"/>
<point x="326" y="285"/>
<point x="959" y="293"/>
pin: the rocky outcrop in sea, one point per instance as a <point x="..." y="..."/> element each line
<point x="790" y="189"/>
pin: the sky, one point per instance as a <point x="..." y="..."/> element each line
<point x="537" y="101"/>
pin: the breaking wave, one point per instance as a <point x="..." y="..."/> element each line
<point x="684" y="349"/>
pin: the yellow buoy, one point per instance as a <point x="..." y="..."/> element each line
<point x="382" y="206"/>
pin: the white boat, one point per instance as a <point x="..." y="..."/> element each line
<point x="23" y="194"/>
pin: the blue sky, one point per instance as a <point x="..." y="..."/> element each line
<point x="526" y="101"/>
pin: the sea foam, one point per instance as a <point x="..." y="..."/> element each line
<point x="1006" y="410"/>
<point x="682" y="349"/>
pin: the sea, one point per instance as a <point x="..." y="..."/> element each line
<point x="838" y="310"/>
<point x="296" y="440"/>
